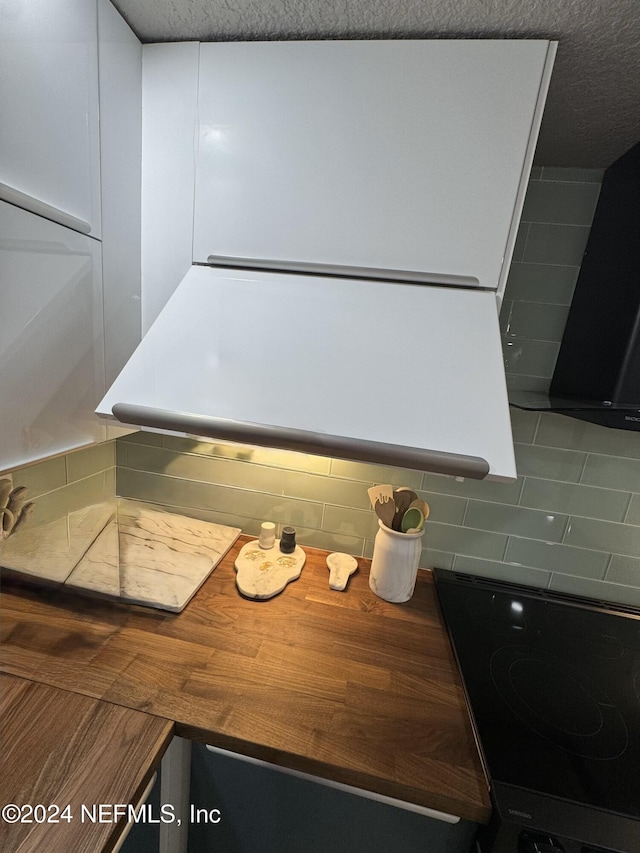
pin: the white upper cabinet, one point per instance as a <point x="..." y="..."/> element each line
<point x="393" y="155"/>
<point x="121" y="168"/>
<point x="51" y="338"/>
<point x="169" y="133"/>
<point x="49" y="145"/>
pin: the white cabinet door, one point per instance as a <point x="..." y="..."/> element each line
<point x="51" y="338"/>
<point x="120" y="67"/>
<point x="49" y="146"/>
<point x="120" y="157"/>
<point x="169" y="131"/>
<point x="396" y="155"/>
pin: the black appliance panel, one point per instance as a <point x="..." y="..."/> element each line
<point x="599" y="356"/>
<point x="554" y="688"/>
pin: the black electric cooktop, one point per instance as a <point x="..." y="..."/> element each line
<point x="554" y="688"/>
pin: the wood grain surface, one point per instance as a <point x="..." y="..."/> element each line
<point x="61" y="748"/>
<point x="341" y="685"/>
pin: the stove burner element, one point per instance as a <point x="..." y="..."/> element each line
<point x="572" y="709"/>
<point x="558" y="703"/>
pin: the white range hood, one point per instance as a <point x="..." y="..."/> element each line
<point x="356" y="369"/>
<point x="353" y="219"/>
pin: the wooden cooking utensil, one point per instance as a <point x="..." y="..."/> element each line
<point x="408" y="491"/>
<point x="402" y="499"/>
<point x="412" y="520"/>
<point x="386" y="512"/>
<point x="381" y="493"/>
<point x="381" y="498"/>
<point x="423" y="506"/>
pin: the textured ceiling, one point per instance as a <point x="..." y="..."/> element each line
<point x="593" y="109"/>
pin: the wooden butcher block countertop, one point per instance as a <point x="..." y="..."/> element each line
<point x="64" y="751"/>
<point x="341" y="685"/>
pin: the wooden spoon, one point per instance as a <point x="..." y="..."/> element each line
<point x="423" y="506"/>
<point x="386" y="512"/>
<point x="408" y="491"/>
<point x="402" y="499"/>
<point x="412" y="520"/>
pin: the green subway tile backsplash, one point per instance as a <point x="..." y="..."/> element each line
<point x="502" y="571"/>
<point x="608" y="591"/>
<point x="555" y="557"/>
<point x="530" y="357"/>
<point x="242" y="453"/>
<point x="463" y="540"/>
<point x="145" y="437"/>
<point x="95" y="489"/>
<point x="570" y="433"/>
<point x="612" y="473"/>
<point x="524" y="425"/>
<point x="516" y="520"/>
<point x="84" y="463"/>
<point x="570" y="522"/>
<point x="548" y="243"/>
<point x="604" y="536"/>
<point x="370" y="474"/>
<point x="441" y="559"/>
<point x="624" y="570"/>
<point x="575" y="499"/>
<point x="521" y="241"/>
<point x="505" y="493"/>
<point x="62" y="484"/>
<point x="522" y="382"/>
<point x="549" y="462"/>
<point x="174" y="492"/>
<point x="42" y="477"/>
<point x="633" y="513"/>
<point x="545" y="283"/>
<point x="330" y="541"/>
<point x="445" y="508"/>
<point x="557" y="215"/>
<point x="535" y="320"/>
<point x="206" y="469"/>
<point x="350" y="522"/>
<point x="583" y="176"/>
<point x="562" y="203"/>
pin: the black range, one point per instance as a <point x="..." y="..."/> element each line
<point x="553" y="684"/>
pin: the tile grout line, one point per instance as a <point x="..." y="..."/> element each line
<point x="583" y="469"/>
<point x="607" y="567"/>
<point x="545" y="264"/>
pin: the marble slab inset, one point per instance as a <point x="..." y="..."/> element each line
<point x="264" y="572"/>
<point x="99" y="568"/>
<point x="53" y="549"/>
<point x="138" y="553"/>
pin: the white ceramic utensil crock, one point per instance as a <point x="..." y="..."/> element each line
<point x="394" y="567"/>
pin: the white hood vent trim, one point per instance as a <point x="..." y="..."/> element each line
<point x="339" y="447"/>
